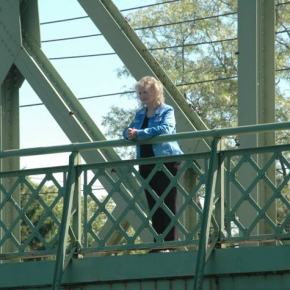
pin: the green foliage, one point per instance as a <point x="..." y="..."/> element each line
<point x="186" y="62"/>
<point x="173" y="38"/>
<point x="38" y="201"/>
<point x="117" y="119"/>
<point x="43" y="212"/>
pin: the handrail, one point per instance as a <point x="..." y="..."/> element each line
<point x="215" y="133"/>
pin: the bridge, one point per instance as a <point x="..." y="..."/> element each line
<point x="231" y="235"/>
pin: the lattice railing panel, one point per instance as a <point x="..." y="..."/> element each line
<point x="33" y="201"/>
<point x="241" y="195"/>
<point x="120" y="209"/>
<point x="114" y="211"/>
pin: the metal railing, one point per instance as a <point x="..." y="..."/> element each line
<point x="65" y="216"/>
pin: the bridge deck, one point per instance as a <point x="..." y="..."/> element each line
<point x="248" y="268"/>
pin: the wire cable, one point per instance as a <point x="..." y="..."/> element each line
<point x="133" y="8"/>
<point x="71" y="38"/>
<point x="106" y="95"/>
<point x="82" y="56"/>
<point x="158" y="48"/>
<point x="283" y="3"/>
<point x="177" y="85"/>
<point x="207" y="81"/>
<point x="123" y="10"/>
<point x="187" y="21"/>
<point x="149" y="5"/>
<point x="142" y="7"/>
<point x="147" y="27"/>
<point x="84" y="98"/>
<point x="195" y="44"/>
<point x="282" y="69"/>
<point x="150" y="49"/>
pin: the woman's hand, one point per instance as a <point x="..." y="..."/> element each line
<point x="131" y="133"/>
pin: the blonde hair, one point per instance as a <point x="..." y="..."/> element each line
<point x="151" y="82"/>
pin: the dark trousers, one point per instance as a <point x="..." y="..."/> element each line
<point x="159" y="182"/>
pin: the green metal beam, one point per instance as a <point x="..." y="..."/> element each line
<point x="10" y="82"/>
<point x="231" y="268"/>
<point x="256" y="88"/>
<point x="9" y="139"/>
<point x="247" y="91"/>
<point x="266" y="95"/>
<point x="206" y="216"/>
<point x="70" y="191"/>
<point x="10" y="31"/>
<point x="216" y="133"/>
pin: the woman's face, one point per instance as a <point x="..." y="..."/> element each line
<point x="146" y="95"/>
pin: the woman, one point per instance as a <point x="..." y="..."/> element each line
<point x="152" y="119"/>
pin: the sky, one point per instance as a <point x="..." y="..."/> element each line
<point x="85" y="77"/>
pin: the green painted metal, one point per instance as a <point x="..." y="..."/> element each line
<point x="10" y="32"/>
<point x="34" y="197"/>
<point x="207" y="233"/>
<point x="256" y="88"/>
<point x="70" y="191"/>
<point x="242" y="268"/>
<point x="9" y="139"/>
<point x="247" y="233"/>
<point x="206" y="217"/>
<point x="266" y="96"/>
<point x="248" y="105"/>
<point x="10" y="82"/>
<point x="189" y="182"/>
<point x="86" y="146"/>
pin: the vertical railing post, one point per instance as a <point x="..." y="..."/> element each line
<point x="70" y="187"/>
<point x="190" y="215"/>
<point x="220" y="196"/>
<point x="76" y="208"/>
<point x="206" y="216"/>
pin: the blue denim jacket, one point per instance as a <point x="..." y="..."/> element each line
<point x="162" y="122"/>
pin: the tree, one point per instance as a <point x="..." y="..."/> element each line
<point x="43" y="212"/>
<point x="194" y="47"/>
<point x="119" y="118"/>
<point x="37" y="200"/>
